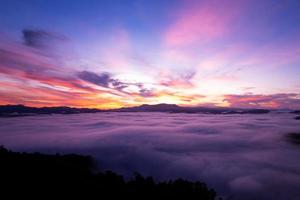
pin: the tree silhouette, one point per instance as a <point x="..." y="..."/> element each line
<point x="35" y="175"/>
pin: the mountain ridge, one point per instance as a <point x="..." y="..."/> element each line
<point x="22" y="110"/>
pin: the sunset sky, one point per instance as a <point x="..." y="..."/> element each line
<point x="117" y="53"/>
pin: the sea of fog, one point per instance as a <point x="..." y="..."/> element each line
<point x="241" y="156"/>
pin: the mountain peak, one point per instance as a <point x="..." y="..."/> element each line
<point x="159" y="105"/>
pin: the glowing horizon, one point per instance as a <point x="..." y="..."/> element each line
<point x="110" y="54"/>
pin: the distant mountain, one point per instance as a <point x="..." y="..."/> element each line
<point x="173" y="108"/>
<point x="163" y="107"/>
<point x="21" y="110"/>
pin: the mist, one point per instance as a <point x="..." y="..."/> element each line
<point x="241" y="156"/>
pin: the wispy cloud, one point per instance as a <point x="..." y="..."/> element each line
<point x="181" y="80"/>
<point x="291" y="101"/>
<point x="201" y="22"/>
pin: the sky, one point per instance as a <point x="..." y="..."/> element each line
<point x="119" y="53"/>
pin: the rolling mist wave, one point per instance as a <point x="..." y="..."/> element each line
<point x="241" y="156"/>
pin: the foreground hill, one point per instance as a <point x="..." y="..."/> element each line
<point x="39" y="176"/>
<point x="21" y="110"/>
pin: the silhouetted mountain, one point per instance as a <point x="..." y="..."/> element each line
<point x="180" y="109"/>
<point x="34" y="175"/>
<point x="152" y="108"/>
<point x="21" y="110"/>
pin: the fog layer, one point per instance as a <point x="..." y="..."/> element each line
<point x="241" y="156"/>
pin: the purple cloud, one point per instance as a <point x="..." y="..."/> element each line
<point x="40" y="39"/>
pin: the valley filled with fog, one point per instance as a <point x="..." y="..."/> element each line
<point x="241" y="156"/>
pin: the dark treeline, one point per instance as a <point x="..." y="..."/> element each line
<point x="293" y="138"/>
<point x="42" y="176"/>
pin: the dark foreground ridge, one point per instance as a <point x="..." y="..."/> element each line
<point x="21" y="110"/>
<point x="293" y="138"/>
<point x="296" y="112"/>
<point x="42" y="176"/>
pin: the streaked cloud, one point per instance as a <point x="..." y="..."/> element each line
<point x="183" y="80"/>
<point x="291" y="101"/>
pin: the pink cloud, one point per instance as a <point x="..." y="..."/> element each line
<point x="201" y="22"/>
<point x="183" y="80"/>
<point x="290" y="100"/>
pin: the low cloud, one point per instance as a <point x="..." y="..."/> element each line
<point x="289" y="100"/>
<point x="241" y="156"/>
